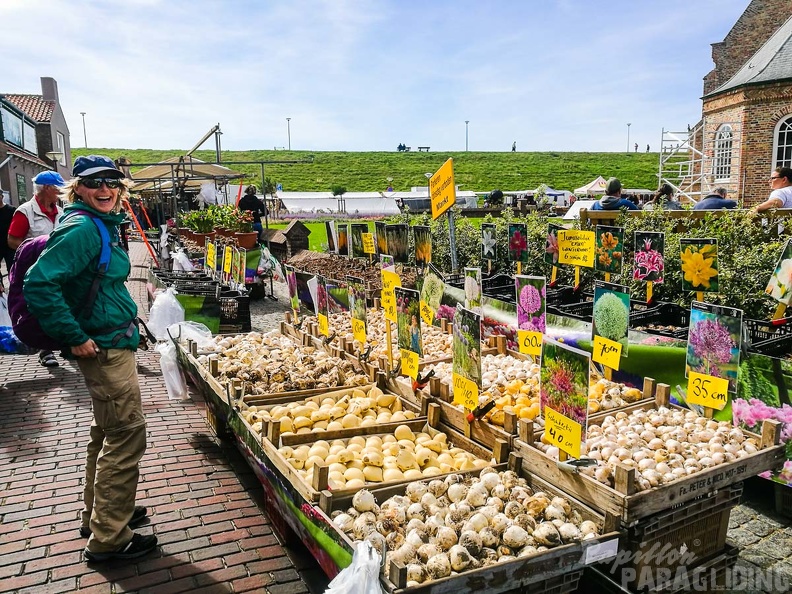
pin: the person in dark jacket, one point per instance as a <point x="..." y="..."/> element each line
<point x="103" y="344"/>
<point x="251" y="202"/>
<point x="612" y="199"/>
<point x="663" y="199"/>
<point x="716" y="201"/>
<point x="6" y="253"/>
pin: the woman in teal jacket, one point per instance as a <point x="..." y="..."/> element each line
<point x="56" y="290"/>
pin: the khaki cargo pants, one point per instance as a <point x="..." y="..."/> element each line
<point x="118" y="441"/>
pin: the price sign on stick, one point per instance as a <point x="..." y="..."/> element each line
<point x="227" y="256"/>
<point x="324" y="327"/>
<point x="706" y="390"/>
<point x="465" y="392"/>
<point x="606" y="352"/>
<point x="409" y="363"/>
<point x="427" y="313"/>
<point x="211" y="257"/>
<point x="576" y="247"/>
<point x="390" y="280"/>
<point x="530" y="342"/>
<point x="563" y="432"/>
<point x="368" y="243"/>
<point x="359" y="330"/>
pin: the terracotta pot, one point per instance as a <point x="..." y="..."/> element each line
<point x="246" y="240"/>
<point x="223" y="232"/>
<point x="200" y="238"/>
<point x="187" y="234"/>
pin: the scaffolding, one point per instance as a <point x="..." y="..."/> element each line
<point x="701" y="159"/>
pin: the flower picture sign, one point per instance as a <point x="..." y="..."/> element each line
<point x="531" y="304"/>
<point x="489" y="250"/>
<point x="358" y="230"/>
<point x="699" y="264"/>
<point x="473" y="289"/>
<point x="780" y="285"/>
<point x="609" y="249"/>
<point x="518" y="242"/>
<point x="611" y="315"/>
<point x="357" y="308"/>
<point x="423" y="245"/>
<point x="431" y="294"/>
<point x="466" y="365"/>
<point x="397" y="241"/>
<point x="649" y="261"/>
<point x="714" y="341"/>
<point x="343" y="244"/>
<point x="551" y="244"/>
<point x="408" y="330"/>
<point x="382" y="241"/>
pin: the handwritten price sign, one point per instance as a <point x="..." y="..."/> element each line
<point x="227" y="256"/>
<point x="465" y="392"/>
<point x="390" y="280"/>
<point x="576" y="247"/>
<point x="530" y="342"/>
<point x="427" y="313"/>
<point x="706" y="390"/>
<point x="607" y="352"/>
<point x="359" y="331"/>
<point x="563" y="432"/>
<point x="368" y="243"/>
<point x="211" y="256"/>
<point x="409" y="363"/>
<point x="324" y="327"/>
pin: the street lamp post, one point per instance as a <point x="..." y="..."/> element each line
<point x="288" y="130"/>
<point x="85" y="135"/>
<point x="628" y="136"/>
<point x="466" y="134"/>
<point x="451" y="225"/>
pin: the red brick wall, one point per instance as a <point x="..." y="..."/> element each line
<point x="755" y="26"/>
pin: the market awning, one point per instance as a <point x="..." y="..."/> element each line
<point x="185" y="171"/>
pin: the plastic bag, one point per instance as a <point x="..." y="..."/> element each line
<point x="165" y="311"/>
<point x="174" y="378"/>
<point x="195" y="331"/>
<point x="182" y="262"/>
<point x="5" y="318"/>
<point x="362" y="575"/>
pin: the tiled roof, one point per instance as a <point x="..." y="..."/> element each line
<point x="34" y="106"/>
<point x="772" y="62"/>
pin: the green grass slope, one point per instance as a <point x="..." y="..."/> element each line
<point x="369" y="171"/>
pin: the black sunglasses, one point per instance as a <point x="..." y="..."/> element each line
<point x="94" y="183"/>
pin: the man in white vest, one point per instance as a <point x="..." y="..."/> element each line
<point x="35" y="218"/>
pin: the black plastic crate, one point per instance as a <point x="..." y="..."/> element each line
<point x="583" y="310"/>
<point x="662" y="314"/>
<point x="235" y="311"/>
<point x="762" y="330"/>
<point x="778" y="346"/>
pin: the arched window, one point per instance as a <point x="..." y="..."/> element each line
<point x="723" y="153"/>
<point x="782" y="155"/>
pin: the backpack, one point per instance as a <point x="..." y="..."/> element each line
<point x="25" y="325"/>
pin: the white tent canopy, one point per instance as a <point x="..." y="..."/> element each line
<point x="366" y="203"/>
<point x="592" y="188"/>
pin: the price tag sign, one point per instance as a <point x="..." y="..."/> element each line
<point x="211" y="256"/>
<point x="409" y="363"/>
<point x="324" y="326"/>
<point x="427" y="313"/>
<point x="530" y="342"/>
<point x="227" y="256"/>
<point x="607" y="352"/>
<point x="706" y="390"/>
<point x="576" y="247"/>
<point x="390" y="280"/>
<point x="368" y="243"/>
<point x="359" y="331"/>
<point x="563" y="432"/>
<point x="465" y="392"/>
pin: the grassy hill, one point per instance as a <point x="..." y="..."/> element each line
<point x="478" y="171"/>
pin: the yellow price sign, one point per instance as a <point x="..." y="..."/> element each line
<point x="607" y="352"/>
<point x="368" y="243"/>
<point x="390" y="280"/>
<point x="359" y="331"/>
<point x="563" y="432"/>
<point x="324" y="326"/>
<point x="576" y="247"/>
<point x="466" y="392"/>
<point x="443" y="191"/>
<point x="211" y="256"/>
<point x="530" y="342"/>
<point x="409" y="363"/>
<point x="227" y="255"/>
<point x="706" y="390"/>
<point x="427" y="313"/>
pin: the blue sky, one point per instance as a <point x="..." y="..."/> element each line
<point x="364" y="75"/>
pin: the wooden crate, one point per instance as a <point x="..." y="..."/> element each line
<point x="555" y="571"/>
<point x="630" y="505"/>
<point x="783" y="500"/>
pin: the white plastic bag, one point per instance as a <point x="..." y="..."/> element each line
<point x="174" y="378"/>
<point x="195" y="331"/>
<point x="5" y="318"/>
<point x="165" y="311"/>
<point x="362" y="575"/>
<point x="182" y="262"/>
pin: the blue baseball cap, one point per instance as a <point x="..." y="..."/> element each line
<point x="94" y="165"/>
<point x="49" y="178"/>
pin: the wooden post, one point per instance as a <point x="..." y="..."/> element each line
<point x="319" y="479"/>
<point x="193" y="347"/>
<point x="525" y="430"/>
<point x="433" y="415"/>
<point x="624" y="479"/>
<point x="397" y="574"/>
<point x="434" y="386"/>
<point x="501" y="344"/>
<point x="515" y="462"/>
<point x="662" y="395"/>
<point x="274" y="433"/>
<point x="648" y="387"/>
<point x="771" y="433"/>
<point x="500" y="450"/>
<point x="510" y="423"/>
<point x="287" y="317"/>
<point x="214" y="366"/>
<point x="445" y="392"/>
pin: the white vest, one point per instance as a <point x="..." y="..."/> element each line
<point x="40" y="223"/>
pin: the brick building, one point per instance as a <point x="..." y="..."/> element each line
<point x="746" y="126"/>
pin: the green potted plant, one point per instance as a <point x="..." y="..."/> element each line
<point x="245" y="236"/>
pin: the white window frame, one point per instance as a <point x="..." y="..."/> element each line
<point x="61" y="139"/>
<point x="776" y="145"/>
<point x="723" y="153"/>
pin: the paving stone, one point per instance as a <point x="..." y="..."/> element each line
<point x="761" y="527"/>
<point x="742" y="537"/>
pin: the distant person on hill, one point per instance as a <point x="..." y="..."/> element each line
<point x="663" y="199"/>
<point x="612" y="199"/>
<point x="647" y="148"/>
<point x="514" y="146"/>
<point x="251" y="203"/>
<point x="781" y="196"/>
<point x="716" y="201"/>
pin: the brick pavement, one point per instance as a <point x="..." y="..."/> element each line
<point x="204" y="502"/>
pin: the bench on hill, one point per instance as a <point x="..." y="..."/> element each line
<point x="423" y="149"/>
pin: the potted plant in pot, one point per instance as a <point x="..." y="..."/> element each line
<point x="202" y="224"/>
<point x="245" y="236"/>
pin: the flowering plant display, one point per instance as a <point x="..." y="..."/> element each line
<point x="398" y="241"/>
<point x="609" y="249"/>
<point x="466" y="346"/>
<point x="291" y="282"/>
<point x="358" y="229"/>
<point x="386" y="261"/>
<point x="489" y="250"/>
<point x="751" y="413"/>
<point x="473" y="289"/>
<point x="565" y="380"/>
<point x="714" y="341"/>
<point x="551" y="244"/>
<point x="611" y="314"/>
<point x="518" y="242"/>
<point x="780" y="285"/>
<point x="343" y="242"/>
<point x="357" y="298"/>
<point x="649" y="262"/>
<point x="531" y="302"/>
<point x="699" y="264"/>
<point x="382" y="241"/>
<point x="499" y="318"/>
<point x="408" y="320"/>
<point x="423" y="245"/>
<point x="432" y="289"/>
<point x="322" y="306"/>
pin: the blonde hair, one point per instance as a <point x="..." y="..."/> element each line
<point x="69" y="192"/>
